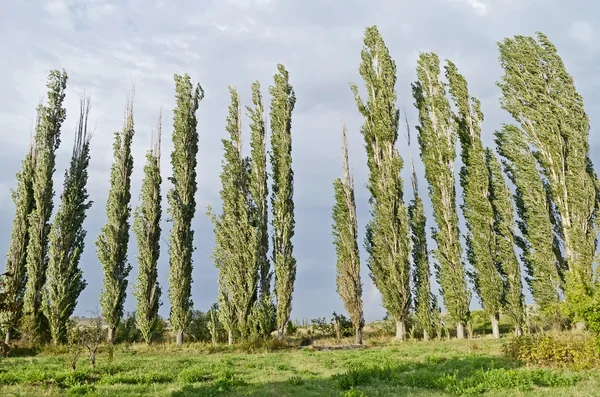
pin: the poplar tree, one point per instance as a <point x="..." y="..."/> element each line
<point x="15" y="275"/>
<point x="504" y="230"/>
<point x="146" y="226"/>
<point x="424" y="300"/>
<point x="437" y="137"/>
<point x="387" y="234"/>
<point x="533" y="208"/>
<point x="345" y="233"/>
<point x="283" y="100"/>
<point x="182" y="203"/>
<point x="541" y="96"/>
<point x="114" y="237"/>
<point x="235" y="234"/>
<point x="477" y="207"/>
<point x="47" y="141"/>
<point x="64" y="277"/>
<point x="264" y="315"/>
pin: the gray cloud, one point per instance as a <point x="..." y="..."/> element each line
<point x="106" y="46"/>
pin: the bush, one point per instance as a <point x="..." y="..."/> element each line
<point x="342" y="325"/>
<point x="127" y="331"/>
<point x="291" y="329"/>
<point x="566" y="350"/>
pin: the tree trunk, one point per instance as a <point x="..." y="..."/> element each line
<point x="495" y="326"/>
<point x="580" y="326"/>
<point x="179" y="337"/>
<point x="460" y="331"/>
<point x="7" y="337"/>
<point x="400" y="330"/>
<point x="518" y="330"/>
<point x="425" y="335"/>
<point x="230" y="337"/>
<point x="280" y="333"/>
<point x="359" y="336"/>
<point x="111" y="335"/>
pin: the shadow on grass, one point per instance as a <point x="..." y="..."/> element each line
<point x="24" y="351"/>
<point x="437" y="374"/>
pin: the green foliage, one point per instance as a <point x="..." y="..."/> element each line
<point x="386" y="244"/>
<point x="114" y="237"/>
<point x="234" y="228"/>
<point x="541" y="96"/>
<point x="259" y="192"/>
<point x="504" y="255"/>
<point x="537" y="243"/>
<point x="283" y="100"/>
<point x="146" y="226"/>
<point x="578" y="351"/>
<point x="127" y="331"/>
<point x="345" y="236"/>
<point x="182" y="203"/>
<point x="437" y="137"/>
<point x="64" y="278"/>
<point x="477" y="207"/>
<point x="343" y="326"/>
<point x="14" y="278"/>
<point x="47" y="141"/>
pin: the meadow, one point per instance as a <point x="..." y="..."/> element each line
<point x="411" y="368"/>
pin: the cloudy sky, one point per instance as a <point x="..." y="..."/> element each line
<point x="108" y="46"/>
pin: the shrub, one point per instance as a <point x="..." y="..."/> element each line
<point x="579" y="351"/>
<point x="127" y="331"/>
<point x="291" y="329"/>
<point x="342" y="325"/>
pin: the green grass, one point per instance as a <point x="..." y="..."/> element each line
<point x="407" y="369"/>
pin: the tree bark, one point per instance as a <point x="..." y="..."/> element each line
<point x="280" y="333"/>
<point x="518" y="330"/>
<point x="460" y="331"/>
<point x="230" y="338"/>
<point x="580" y="326"/>
<point x="425" y="335"/>
<point x="400" y="330"/>
<point x="495" y="326"/>
<point x="111" y="335"/>
<point x="179" y="337"/>
<point x="7" y="337"/>
<point x="359" y="336"/>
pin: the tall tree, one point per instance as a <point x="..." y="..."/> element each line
<point x="541" y="96"/>
<point x="345" y="233"/>
<point x="387" y="240"/>
<point x="114" y="236"/>
<point x="146" y="226"/>
<point x="47" y="141"/>
<point x="15" y="275"/>
<point x="182" y="204"/>
<point x="235" y="234"/>
<point x="437" y="137"/>
<point x="64" y="277"/>
<point x="536" y="241"/>
<point x="424" y="300"/>
<point x="504" y="229"/>
<point x="283" y="100"/>
<point x="259" y="192"/>
<point x="477" y="207"/>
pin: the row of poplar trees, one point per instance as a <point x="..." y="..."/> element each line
<point x="545" y="155"/>
<point x="43" y="280"/>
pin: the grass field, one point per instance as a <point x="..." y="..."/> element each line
<point x="448" y="367"/>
